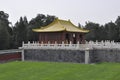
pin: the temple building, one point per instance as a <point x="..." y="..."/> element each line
<point x="61" y="31"/>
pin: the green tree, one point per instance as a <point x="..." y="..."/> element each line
<point x="39" y="21"/>
<point x="35" y="23"/>
<point x="94" y="33"/>
<point x="111" y="31"/>
<point x="79" y="25"/>
<point x="117" y="22"/>
<point x="4" y="31"/>
<point x="20" y="32"/>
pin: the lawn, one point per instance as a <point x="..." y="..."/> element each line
<point x="59" y="71"/>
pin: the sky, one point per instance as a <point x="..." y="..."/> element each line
<point x="78" y="11"/>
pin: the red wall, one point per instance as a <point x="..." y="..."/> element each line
<point x="61" y="36"/>
<point x="10" y="56"/>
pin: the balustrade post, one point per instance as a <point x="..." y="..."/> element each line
<point x="48" y="45"/>
<point x="70" y="45"/>
<point x="22" y="55"/>
<point x="87" y="56"/>
<point x="23" y="44"/>
<point x="55" y="42"/>
<point x="77" y="47"/>
<point x="63" y="45"/>
<point x="55" y="45"/>
<point x="41" y="44"/>
<point x="48" y="42"/>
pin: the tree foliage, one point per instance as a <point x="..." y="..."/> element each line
<point x="20" y="31"/>
<point x="39" y="21"/>
<point x="5" y="31"/>
<point x="109" y="31"/>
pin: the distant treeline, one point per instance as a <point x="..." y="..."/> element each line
<point x="11" y="36"/>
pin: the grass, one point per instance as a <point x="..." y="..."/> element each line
<point x="59" y="71"/>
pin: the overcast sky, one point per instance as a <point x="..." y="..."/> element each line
<point x="78" y="11"/>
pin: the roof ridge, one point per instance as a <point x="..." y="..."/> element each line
<point x="60" y="25"/>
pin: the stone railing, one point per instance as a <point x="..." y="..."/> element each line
<point x="90" y="45"/>
<point x="10" y="51"/>
<point x="103" y="44"/>
<point x="37" y="45"/>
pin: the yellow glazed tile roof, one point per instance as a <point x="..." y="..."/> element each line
<point x="60" y="25"/>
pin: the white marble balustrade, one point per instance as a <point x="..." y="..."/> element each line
<point x="90" y="45"/>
